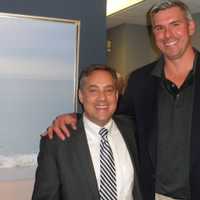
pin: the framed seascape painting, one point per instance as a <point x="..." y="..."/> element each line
<point x="38" y="81"/>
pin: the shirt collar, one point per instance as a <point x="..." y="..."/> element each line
<point x="158" y="70"/>
<point x="94" y="128"/>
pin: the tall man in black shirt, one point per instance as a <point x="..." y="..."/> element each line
<point x="163" y="98"/>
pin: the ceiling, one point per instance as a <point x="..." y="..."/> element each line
<point x="137" y="14"/>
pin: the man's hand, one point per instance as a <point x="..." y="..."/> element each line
<point x="59" y="128"/>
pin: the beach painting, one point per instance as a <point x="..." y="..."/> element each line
<point x="38" y="73"/>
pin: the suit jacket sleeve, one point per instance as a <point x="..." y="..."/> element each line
<point x="47" y="178"/>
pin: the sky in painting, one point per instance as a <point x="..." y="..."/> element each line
<point x="37" y="48"/>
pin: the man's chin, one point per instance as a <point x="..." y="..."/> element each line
<point x="102" y="120"/>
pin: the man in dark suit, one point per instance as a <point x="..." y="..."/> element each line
<point x="72" y="169"/>
<point x="163" y="98"/>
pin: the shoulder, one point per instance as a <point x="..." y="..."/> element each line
<point x="50" y="145"/>
<point x="142" y="71"/>
<point x="141" y="80"/>
<point x="124" y="120"/>
<point x="56" y="143"/>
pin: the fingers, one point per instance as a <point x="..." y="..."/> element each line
<point x="74" y="121"/>
<point x="59" y="127"/>
<point x="73" y="124"/>
<point x="48" y="133"/>
<point x="44" y="134"/>
<point x="65" y="130"/>
<point x="59" y="133"/>
<point x="53" y="130"/>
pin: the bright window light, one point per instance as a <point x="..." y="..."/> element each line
<point x="117" y="5"/>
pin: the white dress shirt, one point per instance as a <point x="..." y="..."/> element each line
<point x="123" y="164"/>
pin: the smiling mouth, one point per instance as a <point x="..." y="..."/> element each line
<point x="102" y="107"/>
<point x="169" y="44"/>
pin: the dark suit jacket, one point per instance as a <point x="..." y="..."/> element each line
<point x="65" y="170"/>
<point x="140" y="101"/>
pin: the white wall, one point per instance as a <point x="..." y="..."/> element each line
<point x="131" y="48"/>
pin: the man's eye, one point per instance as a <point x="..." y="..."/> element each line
<point x="176" y="24"/>
<point x="92" y="90"/>
<point x="158" y="29"/>
<point x="110" y="91"/>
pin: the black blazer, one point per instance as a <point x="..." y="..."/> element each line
<point x="140" y="102"/>
<point x="65" y="170"/>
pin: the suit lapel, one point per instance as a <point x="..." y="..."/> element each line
<point x="86" y="166"/>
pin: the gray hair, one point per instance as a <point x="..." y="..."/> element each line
<point x="165" y="4"/>
<point x="96" y="67"/>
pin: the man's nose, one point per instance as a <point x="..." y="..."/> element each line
<point x="168" y="32"/>
<point x="102" y="95"/>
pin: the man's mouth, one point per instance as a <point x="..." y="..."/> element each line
<point x="170" y="43"/>
<point x="102" y="107"/>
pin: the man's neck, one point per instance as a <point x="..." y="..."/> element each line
<point x="177" y="70"/>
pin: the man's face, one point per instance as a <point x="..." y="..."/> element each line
<point x="99" y="97"/>
<point x="172" y="32"/>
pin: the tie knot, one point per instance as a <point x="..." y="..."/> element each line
<point x="103" y="132"/>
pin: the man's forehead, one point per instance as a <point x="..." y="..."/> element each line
<point x="97" y="81"/>
<point x="172" y="11"/>
<point x="103" y="85"/>
<point x="162" y="18"/>
<point x="100" y="74"/>
<point x="99" y="71"/>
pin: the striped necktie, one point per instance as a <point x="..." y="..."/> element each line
<point x="108" y="187"/>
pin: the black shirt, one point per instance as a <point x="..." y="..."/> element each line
<point x="174" y="131"/>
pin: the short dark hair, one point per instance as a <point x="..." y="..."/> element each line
<point x="165" y="4"/>
<point x="95" y="67"/>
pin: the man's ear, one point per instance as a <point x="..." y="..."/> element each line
<point x="192" y="27"/>
<point x="80" y="96"/>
